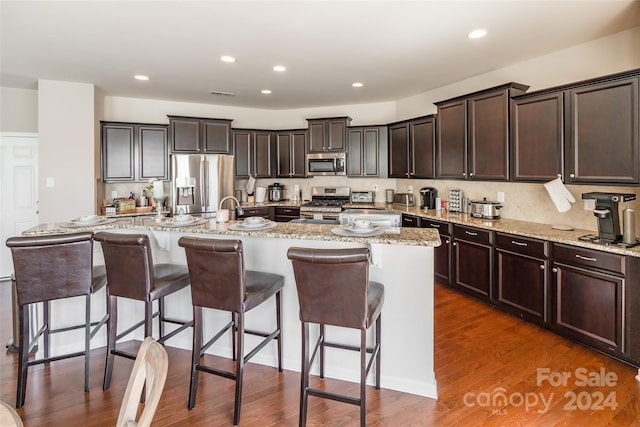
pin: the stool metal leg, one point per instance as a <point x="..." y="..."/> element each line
<point x="24" y="355"/>
<point x="239" y="368"/>
<point x="322" y="335"/>
<point x="47" y="328"/>
<point x="378" y="344"/>
<point x="304" y="374"/>
<point x="279" y="326"/>
<point x="112" y="327"/>
<point x="161" y="310"/>
<point x="196" y="349"/>
<point x="363" y="377"/>
<point x="87" y="339"/>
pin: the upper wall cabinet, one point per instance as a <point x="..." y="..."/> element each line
<point x="254" y="153"/>
<point x="412" y="148"/>
<point x="134" y="152"/>
<point x="602" y="138"/>
<point x="537" y="136"/>
<point x="291" y="156"/>
<point x="367" y="152"/>
<point x="473" y="134"/>
<point x="328" y="134"/>
<point x="198" y="135"/>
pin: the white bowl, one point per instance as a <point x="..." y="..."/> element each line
<point x="88" y="218"/>
<point x="254" y="220"/>
<point x="182" y="218"/>
<point x="362" y="223"/>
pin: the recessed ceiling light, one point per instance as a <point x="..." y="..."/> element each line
<point x="279" y="68"/>
<point x="265" y="91"/>
<point x="476" y="34"/>
<point x="227" y="58"/>
<point x="141" y="77"/>
<point x="357" y="84"/>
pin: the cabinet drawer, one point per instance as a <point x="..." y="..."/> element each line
<point x="261" y="211"/>
<point x="444" y="228"/>
<point x="287" y="211"/>
<point x="471" y="234"/>
<point x="521" y="245"/>
<point x="588" y="258"/>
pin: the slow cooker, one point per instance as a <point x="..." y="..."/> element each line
<point x="485" y="209"/>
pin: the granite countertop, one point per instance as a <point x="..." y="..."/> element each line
<point x="505" y="225"/>
<point x="282" y="230"/>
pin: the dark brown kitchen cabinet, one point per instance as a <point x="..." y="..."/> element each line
<point x="521" y="276"/>
<point x="291" y="156"/>
<point x="134" y="152"/>
<point x="328" y="134"/>
<point x="441" y="254"/>
<point x="262" y="211"/>
<point x="473" y="261"/>
<point x="254" y="153"/>
<point x="367" y="148"/>
<point x="589" y="293"/>
<point x="473" y="134"/>
<point x="200" y="135"/>
<point x="537" y="136"/>
<point x="602" y="144"/>
<point x="285" y="213"/>
<point x="412" y="148"/>
<point x="410" y="221"/>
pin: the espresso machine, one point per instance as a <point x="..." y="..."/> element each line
<point x="609" y="232"/>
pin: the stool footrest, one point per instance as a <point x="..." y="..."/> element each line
<point x="214" y="371"/>
<point x="262" y="344"/>
<point x="347" y="347"/>
<point x="215" y="338"/>
<point x="184" y="326"/>
<point x="124" y="354"/>
<point x="333" y="396"/>
<point x="54" y="358"/>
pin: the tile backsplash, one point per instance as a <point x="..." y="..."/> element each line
<point x="523" y="201"/>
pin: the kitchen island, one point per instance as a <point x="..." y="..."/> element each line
<point x="401" y="259"/>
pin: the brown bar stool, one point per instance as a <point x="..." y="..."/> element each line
<point x="49" y="268"/>
<point x="132" y="274"/>
<point x="219" y="281"/>
<point x="334" y="289"/>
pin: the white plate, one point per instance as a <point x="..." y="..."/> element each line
<point x="255" y="225"/>
<point x="172" y="223"/>
<point x="252" y="227"/>
<point x="345" y="232"/>
<point x="76" y="223"/>
<point x="360" y="230"/>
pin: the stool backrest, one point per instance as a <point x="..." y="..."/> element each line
<point x="216" y="272"/>
<point x="332" y="285"/>
<point x="149" y="370"/>
<point x="129" y="264"/>
<point x="52" y="267"/>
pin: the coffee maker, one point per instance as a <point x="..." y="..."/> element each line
<point x="428" y="195"/>
<point x="608" y="217"/>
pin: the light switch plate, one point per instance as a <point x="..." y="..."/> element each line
<point x="51" y="182"/>
<point x="501" y="196"/>
<point x="589" y="204"/>
<point x="114" y="194"/>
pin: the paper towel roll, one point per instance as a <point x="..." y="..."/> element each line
<point x="260" y="193"/>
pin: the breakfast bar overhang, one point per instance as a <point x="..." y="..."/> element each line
<point x="401" y="259"/>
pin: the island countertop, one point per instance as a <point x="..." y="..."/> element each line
<point x="282" y="230"/>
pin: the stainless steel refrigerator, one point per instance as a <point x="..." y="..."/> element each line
<point x="200" y="181"/>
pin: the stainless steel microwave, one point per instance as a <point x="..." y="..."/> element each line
<point x="327" y="164"/>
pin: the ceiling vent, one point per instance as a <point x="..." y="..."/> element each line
<point x="220" y="93"/>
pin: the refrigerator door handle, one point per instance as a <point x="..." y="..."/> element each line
<point x="204" y="183"/>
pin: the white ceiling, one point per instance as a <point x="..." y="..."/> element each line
<point x="396" y="48"/>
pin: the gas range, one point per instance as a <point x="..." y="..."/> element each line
<point x="326" y="202"/>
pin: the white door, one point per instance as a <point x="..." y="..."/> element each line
<point x="18" y="190"/>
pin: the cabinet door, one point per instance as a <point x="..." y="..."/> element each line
<point x="602" y="145"/>
<point x="317" y="137"/>
<point x="537" y="137"/>
<point x="441" y="254"/>
<point x="243" y="153"/>
<point x="355" y="166"/>
<point x="488" y="121"/>
<point x="422" y="153"/>
<point x="371" y="151"/>
<point x="153" y="152"/>
<point x="216" y="136"/>
<point x="337" y="135"/>
<point x="589" y="306"/>
<point x="410" y="221"/>
<point x="284" y="155"/>
<point x="473" y="265"/>
<point x="452" y="140"/>
<point x="263" y="155"/>
<point x="118" y="155"/>
<point x="520" y="284"/>
<point x="399" y="151"/>
<point x="185" y="135"/>
<point x="299" y="154"/>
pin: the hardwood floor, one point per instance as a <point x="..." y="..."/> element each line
<point x="480" y="353"/>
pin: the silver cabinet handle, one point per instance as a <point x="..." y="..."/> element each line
<point x="586" y="258"/>
<point x="555" y="270"/>
<point x="448" y="241"/>
<point x="464" y="174"/>
<point x="471" y="174"/>
<point x="541" y="266"/>
<point x="471" y="233"/>
<point x="519" y="243"/>
<point x="559" y="175"/>
<point x="435" y="225"/>
<point x="573" y="175"/>
<point x="455" y="243"/>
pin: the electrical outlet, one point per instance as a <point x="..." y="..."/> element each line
<point x="375" y="187"/>
<point x="589" y="204"/>
<point x="114" y="194"/>
<point x="410" y="189"/>
<point x="501" y="196"/>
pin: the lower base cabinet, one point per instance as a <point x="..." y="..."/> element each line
<point x="442" y="253"/>
<point x="473" y="261"/>
<point x="262" y="211"/>
<point x="285" y="214"/>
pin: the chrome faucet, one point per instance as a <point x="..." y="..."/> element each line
<point x="238" y="209"/>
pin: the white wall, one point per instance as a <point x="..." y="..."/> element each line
<point x="66" y="127"/>
<point x="18" y="110"/>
